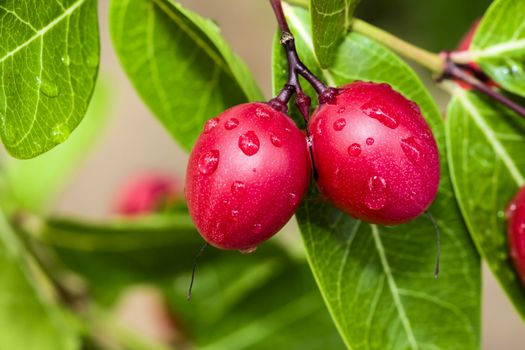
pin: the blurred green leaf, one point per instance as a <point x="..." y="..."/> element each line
<point x="377" y="281"/>
<point x="26" y="321"/>
<point x="48" y="65"/>
<point x="179" y="64"/>
<point x="258" y="301"/>
<point x="330" y="23"/>
<point x="486" y="143"/>
<point x="33" y="183"/>
<point x="499" y="44"/>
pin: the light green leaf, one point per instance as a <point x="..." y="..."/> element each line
<point x="33" y="183"/>
<point x="179" y="64"/>
<point x="377" y="281"/>
<point x="330" y="23"/>
<point x="499" y="44"/>
<point x="487" y="163"/>
<point x="21" y="308"/>
<point x="48" y="65"/>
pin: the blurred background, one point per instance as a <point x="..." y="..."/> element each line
<point x="135" y="143"/>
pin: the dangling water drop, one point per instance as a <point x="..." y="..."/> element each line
<point x="354" y="149"/>
<point x="48" y="88"/>
<point x="411" y="149"/>
<point x="60" y="133"/>
<point x="339" y="124"/>
<point x="276" y="141"/>
<point x="377" y="111"/>
<point x="370" y="141"/>
<point x="231" y="124"/>
<point x="261" y="113"/>
<point x="210" y="125"/>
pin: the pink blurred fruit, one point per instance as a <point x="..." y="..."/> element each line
<point x="516" y="232"/>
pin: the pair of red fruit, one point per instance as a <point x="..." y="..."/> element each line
<point x="375" y="157"/>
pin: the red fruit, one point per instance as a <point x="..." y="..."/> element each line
<point x="375" y="155"/>
<point x="246" y="176"/>
<point x="516" y="232"/>
<point x="148" y="193"/>
<point x="464" y="44"/>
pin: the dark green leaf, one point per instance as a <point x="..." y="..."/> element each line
<point x="48" y="65"/>
<point x="377" y="281"/>
<point x="330" y="23"/>
<point x="26" y="321"/>
<point x="499" y="44"/>
<point x="33" y="193"/>
<point x="487" y="163"/>
<point x="179" y="64"/>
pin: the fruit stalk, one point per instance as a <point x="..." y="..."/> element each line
<point x="452" y="70"/>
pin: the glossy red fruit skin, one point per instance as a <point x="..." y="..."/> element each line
<point x="147" y="193"/>
<point x="382" y="169"/>
<point x="237" y="198"/>
<point x="516" y="232"/>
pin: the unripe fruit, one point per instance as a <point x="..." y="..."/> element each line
<point x="516" y="232"/>
<point x="375" y="155"/>
<point x="246" y="175"/>
<point x="148" y="193"/>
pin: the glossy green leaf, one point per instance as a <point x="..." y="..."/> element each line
<point x="499" y="44"/>
<point x="48" y="65"/>
<point x="179" y="64"/>
<point x="487" y="164"/>
<point x="26" y="321"/>
<point x="377" y="281"/>
<point x="257" y="301"/>
<point x="330" y="23"/>
<point x="34" y="193"/>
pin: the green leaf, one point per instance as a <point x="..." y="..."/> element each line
<point x="34" y="193"/>
<point x="499" y="44"/>
<point x="486" y="143"/>
<point x="179" y="64"/>
<point x="258" y="301"/>
<point x="48" y="65"/>
<point x="377" y="281"/>
<point x="21" y="308"/>
<point x="330" y="23"/>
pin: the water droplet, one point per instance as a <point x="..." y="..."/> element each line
<point x="66" y="60"/>
<point x="354" y="149"/>
<point x="92" y="60"/>
<point x="339" y="124"/>
<point x="276" y="141"/>
<point x="261" y="113"/>
<point x="248" y="250"/>
<point x="238" y="188"/>
<point x="249" y="143"/>
<point x="341" y="110"/>
<point x="370" y="141"/>
<point x="293" y="199"/>
<point x="210" y="125"/>
<point x="378" y="111"/>
<point x="309" y="141"/>
<point x="208" y="162"/>
<point x="376" y="196"/>
<point x="234" y="215"/>
<point x="411" y="149"/>
<point x="231" y="124"/>
<point x="60" y="133"/>
<point x="257" y="228"/>
<point x="47" y="88"/>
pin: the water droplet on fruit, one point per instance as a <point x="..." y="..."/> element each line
<point x="341" y="110"/>
<point x="231" y="124"/>
<point x="309" y="141"/>
<point x="257" y="228"/>
<point x="249" y="143"/>
<point x="248" y="250"/>
<point x="293" y="199"/>
<point x="288" y="130"/>
<point x="234" y="215"/>
<point x="66" y="60"/>
<point x="208" y="162"/>
<point x="60" y="133"/>
<point x="238" y="188"/>
<point x="354" y="149"/>
<point x="276" y="141"/>
<point x="210" y="125"/>
<point x="375" y="110"/>
<point x="261" y="113"/>
<point x="411" y="149"/>
<point x="339" y="124"/>
<point x="370" y="141"/>
<point x="47" y="88"/>
<point x="376" y="197"/>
